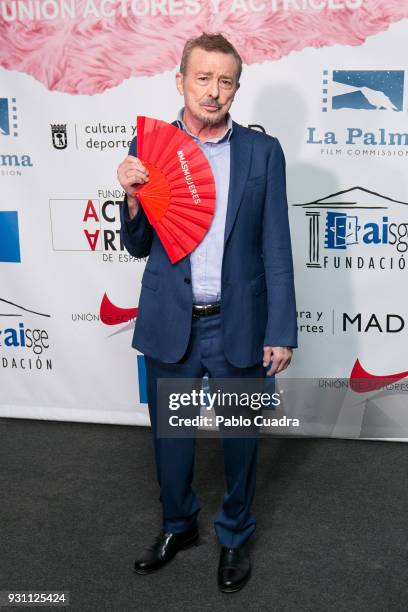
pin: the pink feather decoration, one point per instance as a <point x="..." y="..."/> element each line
<point x="93" y="54"/>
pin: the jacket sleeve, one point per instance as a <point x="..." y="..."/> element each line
<point x="281" y="329"/>
<point x="137" y="233"/>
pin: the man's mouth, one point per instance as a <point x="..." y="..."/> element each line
<point x="211" y="107"/>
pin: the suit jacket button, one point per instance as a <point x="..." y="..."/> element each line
<point x="187" y="280"/>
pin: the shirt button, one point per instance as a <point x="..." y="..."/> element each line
<point x="187" y="280"/>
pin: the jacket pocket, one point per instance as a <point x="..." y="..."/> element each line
<point x="150" y="279"/>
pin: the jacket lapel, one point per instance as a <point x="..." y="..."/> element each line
<point x="240" y="161"/>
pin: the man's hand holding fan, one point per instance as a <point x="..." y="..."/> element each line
<point x="172" y="179"/>
<point x="131" y="174"/>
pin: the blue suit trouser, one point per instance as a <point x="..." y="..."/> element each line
<point x="175" y="456"/>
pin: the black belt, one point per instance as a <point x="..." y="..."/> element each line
<point x="205" y="310"/>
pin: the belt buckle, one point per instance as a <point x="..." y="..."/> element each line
<point x="203" y="310"/>
<point x="200" y="310"/>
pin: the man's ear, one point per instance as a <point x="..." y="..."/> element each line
<point x="179" y="83"/>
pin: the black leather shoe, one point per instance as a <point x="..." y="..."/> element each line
<point x="234" y="568"/>
<point x="164" y="548"/>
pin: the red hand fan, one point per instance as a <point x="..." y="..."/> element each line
<point x="179" y="198"/>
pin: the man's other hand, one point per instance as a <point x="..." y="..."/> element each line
<point x="280" y="356"/>
<point x="131" y="173"/>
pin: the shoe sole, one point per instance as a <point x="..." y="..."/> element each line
<point x="237" y="588"/>
<point x="194" y="542"/>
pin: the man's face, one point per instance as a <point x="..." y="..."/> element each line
<point x="209" y="85"/>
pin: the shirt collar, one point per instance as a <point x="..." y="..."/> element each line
<point x="225" y="136"/>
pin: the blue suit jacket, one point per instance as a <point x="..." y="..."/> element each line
<point x="257" y="290"/>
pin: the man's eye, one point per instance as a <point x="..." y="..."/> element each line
<point x="203" y="78"/>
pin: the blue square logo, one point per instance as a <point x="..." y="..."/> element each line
<point x="9" y="237"/>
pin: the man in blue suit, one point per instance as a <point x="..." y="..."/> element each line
<point x="227" y="310"/>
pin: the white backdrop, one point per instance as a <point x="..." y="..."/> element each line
<point x="335" y="97"/>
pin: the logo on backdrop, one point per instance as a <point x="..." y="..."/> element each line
<point x="8" y="117"/>
<point x="104" y="137"/>
<point x="339" y="322"/>
<point x="353" y="92"/>
<point x="380" y="417"/>
<point x="11" y="164"/>
<point x="363" y="90"/>
<point x="24" y="339"/>
<point x="360" y="375"/>
<point x="109" y="314"/>
<point x="363" y="323"/>
<point x="9" y="237"/>
<point x="90" y="224"/>
<point x="59" y="135"/>
<point x="356" y="229"/>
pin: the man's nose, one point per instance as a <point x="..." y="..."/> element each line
<point x="214" y="90"/>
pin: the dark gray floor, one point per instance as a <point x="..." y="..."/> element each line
<point x="79" y="500"/>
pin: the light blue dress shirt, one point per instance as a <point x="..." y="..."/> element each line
<point x="206" y="259"/>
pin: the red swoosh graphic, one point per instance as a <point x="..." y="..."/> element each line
<point x="362" y="381"/>
<point x="113" y="315"/>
